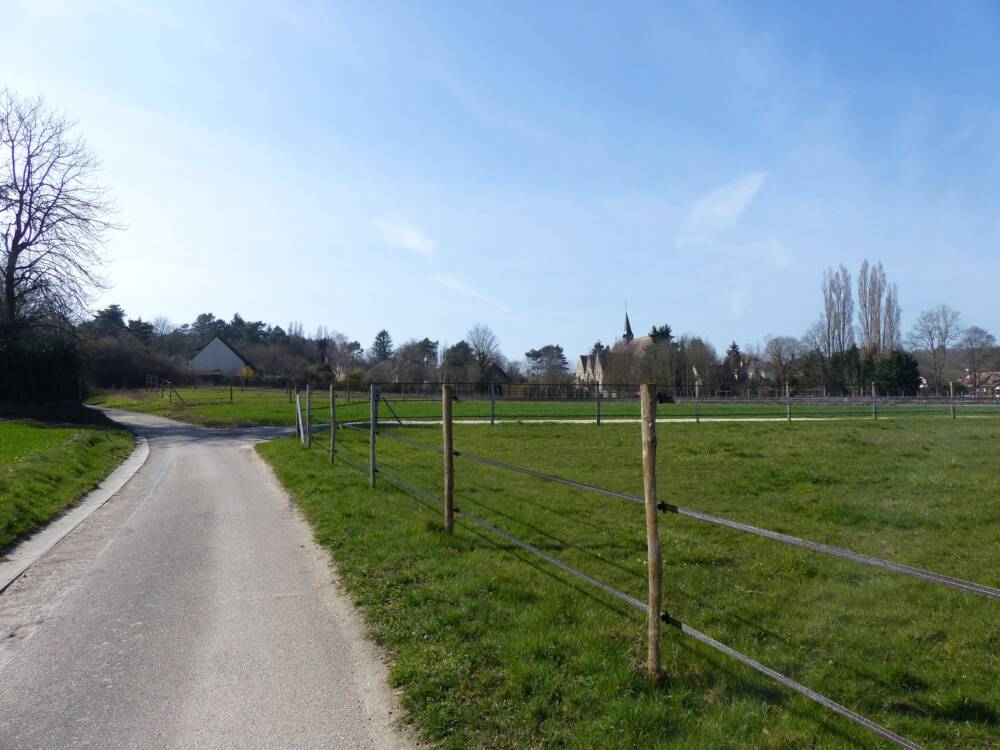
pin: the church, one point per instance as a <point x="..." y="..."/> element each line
<point x="596" y="368"/>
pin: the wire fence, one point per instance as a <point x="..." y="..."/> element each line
<point x="375" y="469"/>
<point x="584" y="403"/>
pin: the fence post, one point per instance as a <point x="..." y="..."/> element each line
<point x="298" y="416"/>
<point x="230" y="393"/>
<point x="309" y="413"/>
<point x="874" y="402"/>
<point x="493" y="405"/>
<point x="449" y="459"/>
<point x="788" y="399"/>
<point x="951" y="389"/>
<point x="647" y="398"/>
<point x="372" y="427"/>
<point x="697" y="402"/>
<point x="597" y="400"/>
<point x="333" y="424"/>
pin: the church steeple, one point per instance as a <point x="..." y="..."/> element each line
<point x="628" y="330"/>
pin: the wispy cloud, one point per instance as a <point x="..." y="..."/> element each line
<point x="721" y="208"/>
<point x="399" y="231"/>
<point x="450" y="281"/>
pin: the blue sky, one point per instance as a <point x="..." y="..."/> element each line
<point x="424" y="166"/>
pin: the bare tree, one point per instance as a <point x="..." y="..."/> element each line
<point x="781" y="352"/>
<point x="162" y="325"/>
<point x="53" y="216"/>
<point x="976" y="343"/>
<point x="934" y="331"/>
<point x="485" y="347"/>
<point x="878" y="310"/>
<point x="835" y="331"/>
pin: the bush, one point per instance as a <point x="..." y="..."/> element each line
<point x="40" y="369"/>
<point x="123" y="362"/>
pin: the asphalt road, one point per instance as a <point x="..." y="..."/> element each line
<point x="193" y="610"/>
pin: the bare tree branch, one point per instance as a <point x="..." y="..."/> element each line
<point x="54" y="217"/>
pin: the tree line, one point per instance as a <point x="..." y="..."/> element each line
<point x="55" y="216"/>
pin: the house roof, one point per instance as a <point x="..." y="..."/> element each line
<point x="226" y="344"/>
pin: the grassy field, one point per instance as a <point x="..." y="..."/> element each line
<point x="493" y="648"/>
<point x="44" y="469"/>
<point x="212" y="408"/>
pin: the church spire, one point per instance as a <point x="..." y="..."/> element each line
<point x="628" y="328"/>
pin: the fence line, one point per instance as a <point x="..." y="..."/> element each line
<point x="653" y="609"/>
<point x="660" y="615"/>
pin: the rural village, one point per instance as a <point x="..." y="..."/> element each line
<point x="538" y="404"/>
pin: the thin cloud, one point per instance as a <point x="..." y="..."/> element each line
<point x="721" y="208"/>
<point x="399" y="231"/>
<point x="450" y="281"/>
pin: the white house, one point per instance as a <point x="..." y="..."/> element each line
<point x="218" y="358"/>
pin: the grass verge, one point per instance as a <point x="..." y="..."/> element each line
<point x="495" y="649"/>
<point x="46" y="468"/>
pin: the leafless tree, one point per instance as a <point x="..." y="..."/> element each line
<point x="878" y="310"/>
<point x="835" y="332"/>
<point x="162" y="325"/>
<point x="934" y="331"/>
<point x="54" y="216"/>
<point x="781" y="352"/>
<point x="485" y="347"/>
<point x="976" y="344"/>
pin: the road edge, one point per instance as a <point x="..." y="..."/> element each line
<point x="28" y="552"/>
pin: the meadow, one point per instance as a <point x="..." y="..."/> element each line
<point x="46" y="468"/>
<point x="494" y="648"/>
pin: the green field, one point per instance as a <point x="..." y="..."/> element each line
<point x="494" y="648"/>
<point x="44" y="469"/>
<point x="212" y="408"/>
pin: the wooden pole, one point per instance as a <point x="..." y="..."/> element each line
<point x="230" y="393"/>
<point x="647" y="398"/>
<point x="298" y="416"/>
<point x="951" y="389"/>
<point x="697" y="402"/>
<point x="449" y="459"/>
<point x="493" y="405"/>
<point x="597" y="399"/>
<point x="874" y="403"/>
<point x="333" y="425"/>
<point x="309" y="415"/>
<point x="372" y="427"/>
<point x="788" y="399"/>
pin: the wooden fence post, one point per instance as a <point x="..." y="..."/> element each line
<point x="697" y="402"/>
<point x="647" y="400"/>
<point x="449" y="459"/>
<point x="874" y="402"/>
<point x="298" y="416"/>
<point x="309" y="417"/>
<point x="597" y="400"/>
<point x="333" y="424"/>
<point x="372" y="427"/>
<point x="493" y="405"/>
<point x="951" y="389"/>
<point x="788" y="399"/>
<point x="230" y="393"/>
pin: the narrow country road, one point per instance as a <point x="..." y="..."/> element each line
<point x="193" y="610"/>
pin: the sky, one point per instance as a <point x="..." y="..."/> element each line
<point x="422" y="167"/>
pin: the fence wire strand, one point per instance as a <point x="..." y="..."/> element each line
<point x="959" y="584"/>
<point x="642" y="606"/>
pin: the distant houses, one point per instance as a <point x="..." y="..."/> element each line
<point x="595" y="368"/>
<point x="217" y="358"/>
<point x="986" y="384"/>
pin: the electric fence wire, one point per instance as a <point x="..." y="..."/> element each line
<point x="686" y="629"/>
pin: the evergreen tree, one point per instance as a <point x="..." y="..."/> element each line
<point x="382" y="346"/>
